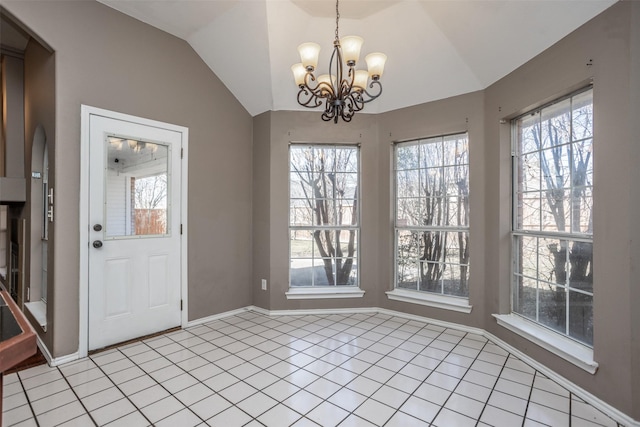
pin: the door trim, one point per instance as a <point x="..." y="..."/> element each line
<point x="85" y="117"/>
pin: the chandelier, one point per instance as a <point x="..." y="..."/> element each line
<point x="342" y="93"/>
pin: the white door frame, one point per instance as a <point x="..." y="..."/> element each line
<point x="85" y="114"/>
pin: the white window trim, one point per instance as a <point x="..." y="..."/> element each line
<point x="322" y="292"/>
<point x="328" y="291"/>
<point x="432" y="300"/>
<point x="38" y="310"/>
<point x="558" y="344"/>
<point x="427" y="298"/>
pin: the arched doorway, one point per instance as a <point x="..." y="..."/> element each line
<point x="39" y="227"/>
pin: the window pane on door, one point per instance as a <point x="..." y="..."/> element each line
<point x="137" y="188"/>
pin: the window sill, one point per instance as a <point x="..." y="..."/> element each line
<point x="431" y="300"/>
<point x="38" y="310"/>
<point x="570" y="350"/>
<point x="324" y="292"/>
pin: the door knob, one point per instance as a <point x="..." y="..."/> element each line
<point x="97" y="227"/>
<point x="97" y="244"/>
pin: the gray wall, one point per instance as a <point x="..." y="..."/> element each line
<point x="286" y="127"/>
<point x="273" y="131"/>
<point x="634" y="196"/>
<point x="606" y="41"/>
<point x="108" y="60"/>
<point x="13" y="132"/>
<point x="454" y="115"/>
<point x="261" y="209"/>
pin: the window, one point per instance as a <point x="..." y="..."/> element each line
<point x="553" y="221"/>
<point x="432" y="215"/>
<point x="150" y="204"/>
<point x="324" y="217"/>
<point x="137" y="188"/>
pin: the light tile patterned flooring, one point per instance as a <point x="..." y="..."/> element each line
<point x="276" y="371"/>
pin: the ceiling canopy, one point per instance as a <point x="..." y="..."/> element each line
<point x="436" y="49"/>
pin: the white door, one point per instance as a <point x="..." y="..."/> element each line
<point x="134" y="230"/>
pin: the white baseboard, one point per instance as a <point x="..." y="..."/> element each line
<point x="431" y="321"/>
<point x="55" y="361"/>
<point x="592" y="400"/>
<point x="218" y="316"/>
<point x="328" y="311"/>
<point x="317" y="312"/>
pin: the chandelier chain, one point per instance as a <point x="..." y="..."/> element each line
<point x="337" y="20"/>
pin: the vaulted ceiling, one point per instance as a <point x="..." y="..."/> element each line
<point x="435" y="48"/>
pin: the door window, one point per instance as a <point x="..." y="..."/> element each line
<point x="137" y="188"/>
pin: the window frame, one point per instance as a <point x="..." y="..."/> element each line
<point x="424" y="297"/>
<point x="562" y="343"/>
<point x="312" y="290"/>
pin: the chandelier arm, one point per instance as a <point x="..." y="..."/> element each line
<point x="331" y="109"/>
<point x="346" y="85"/>
<point x="308" y="99"/>
<point x="321" y="89"/>
<point x="335" y="64"/>
<point x="307" y="96"/>
<point x="329" y="113"/>
<point x="351" y="78"/>
<point x="347" y="114"/>
<point x="355" y="101"/>
<point x="374" y="95"/>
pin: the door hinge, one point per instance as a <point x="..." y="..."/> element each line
<point x="180" y="305"/>
<point x="182" y="153"/>
<point x="180" y="228"/>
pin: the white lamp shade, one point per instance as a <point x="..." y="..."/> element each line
<point x="375" y="64"/>
<point x="351" y="46"/>
<point x="360" y="80"/>
<point x="298" y="73"/>
<point x="309" y="55"/>
<point x="329" y="80"/>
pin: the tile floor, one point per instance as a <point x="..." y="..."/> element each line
<point x="334" y="370"/>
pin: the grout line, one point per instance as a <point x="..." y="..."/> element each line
<point x="208" y="362"/>
<point x="526" y="409"/>
<point x="360" y="375"/>
<point x="405" y="362"/>
<point x="26" y="395"/>
<point x="322" y="400"/>
<point x="77" y="397"/>
<point x="126" y="396"/>
<point x="227" y="370"/>
<point x="570" y="406"/>
<point x="427" y="377"/>
<point x="504" y="364"/>
<point x="158" y="383"/>
<point x="459" y="379"/>
<point x="352" y="412"/>
<point x="316" y="358"/>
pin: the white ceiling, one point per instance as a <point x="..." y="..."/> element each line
<point x="436" y="49"/>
